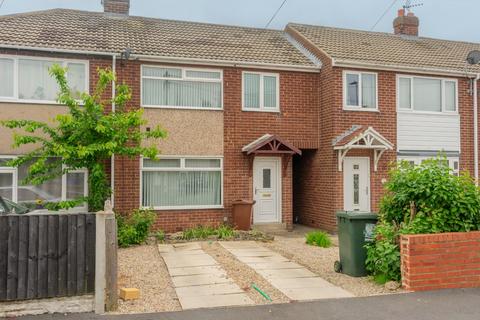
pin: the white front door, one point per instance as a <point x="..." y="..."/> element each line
<point x="356" y="184"/>
<point x="266" y="190"/>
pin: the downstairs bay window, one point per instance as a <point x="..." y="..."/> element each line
<point x="70" y="186"/>
<point x="182" y="183"/>
<point x="451" y="162"/>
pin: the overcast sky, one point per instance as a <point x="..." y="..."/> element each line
<point x="446" y="19"/>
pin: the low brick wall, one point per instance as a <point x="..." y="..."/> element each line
<point x="440" y="261"/>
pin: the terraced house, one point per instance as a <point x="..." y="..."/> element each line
<point x="305" y="121"/>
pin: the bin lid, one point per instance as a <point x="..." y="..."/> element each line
<point x="357" y="215"/>
<point x="243" y="201"/>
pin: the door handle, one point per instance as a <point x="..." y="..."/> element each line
<point x="256" y="190"/>
<point x="366" y="189"/>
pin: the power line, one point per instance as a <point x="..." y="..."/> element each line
<point x="383" y="15"/>
<point x="275" y="14"/>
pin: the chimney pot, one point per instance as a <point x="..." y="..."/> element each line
<point x="406" y="24"/>
<point x="116" y="6"/>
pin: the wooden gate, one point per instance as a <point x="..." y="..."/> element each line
<point x="47" y="255"/>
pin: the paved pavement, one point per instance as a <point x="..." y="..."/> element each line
<point x="200" y="282"/>
<point x="292" y="279"/>
<point x="438" y="305"/>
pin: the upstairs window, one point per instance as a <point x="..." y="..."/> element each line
<point x="427" y="94"/>
<point x="260" y="92"/>
<point x="28" y="79"/>
<point x="181" y="88"/>
<point x="360" y="91"/>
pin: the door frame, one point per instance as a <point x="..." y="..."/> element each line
<point x="279" y="214"/>
<point x="369" y="198"/>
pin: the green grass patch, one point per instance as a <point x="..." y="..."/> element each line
<point x="204" y="232"/>
<point x="319" y="239"/>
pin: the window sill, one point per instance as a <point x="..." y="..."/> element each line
<point x="261" y="110"/>
<point x="181" y="108"/>
<point x="184" y="208"/>
<point x="39" y="102"/>
<point x="433" y="113"/>
<point x="360" y="109"/>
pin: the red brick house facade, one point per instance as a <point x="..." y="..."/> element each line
<point x="306" y="121"/>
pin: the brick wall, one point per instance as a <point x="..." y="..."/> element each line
<point x="440" y="261"/>
<point x="322" y="183"/>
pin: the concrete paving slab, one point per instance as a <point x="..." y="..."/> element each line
<point x="237" y="299"/>
<point x="256" y="260"/>
<point x="189" y="261"/>
<point x="199" y="279"/>
<point x="239" y="244"/>
<point x="275" y="265"/>
<point x="209" y="290"/>
<point x="292" y="279"/>
<point x="305" y="294"/>
<point x="286" y="273"/>
<point x="163" y="248"/>
<point x="293" y="283"/>
<point x="185" y="271"/>
<point x="187" y="246"/>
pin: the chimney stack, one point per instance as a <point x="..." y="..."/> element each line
<point x="406" y="24"/>
<point x="116" y="6"/>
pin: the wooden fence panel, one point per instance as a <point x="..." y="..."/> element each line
<point x="46" y="255"/>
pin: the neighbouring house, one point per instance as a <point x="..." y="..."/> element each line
<point x="305" y="121"/>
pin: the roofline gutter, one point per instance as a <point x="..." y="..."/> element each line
<point x="376" y="66"/>
<point x="225" y="63"/>
<point x="154" y="58"/>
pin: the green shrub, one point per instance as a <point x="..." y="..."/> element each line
<point x="160" y="236"/>
<point x="134" y="229"/>
<point x="204" y="232"/>
<point x="426" y="198"/>
<point x="319" y="239"/>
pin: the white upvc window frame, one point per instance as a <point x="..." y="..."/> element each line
<point x="60" y="61"/>
<point x="14" y="171"/>
<point x="183" y="168"/>
<point x="417" y="160"/>
<point x="412" y="101"/>
<point x="183" y="78"/>
<point x="262" y="107"/>
<point x="360" y="93"/>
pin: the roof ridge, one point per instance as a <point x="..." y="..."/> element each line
<point x="388" y="34"/>
<point x="30" y="13"/>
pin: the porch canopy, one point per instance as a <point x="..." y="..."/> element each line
<point x="270" y="144"/>
<point x="361" y="137"/>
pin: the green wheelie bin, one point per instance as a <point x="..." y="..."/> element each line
<point x="355" y="229"/>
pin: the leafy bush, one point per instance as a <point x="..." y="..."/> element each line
<point x="319" y="239"/>
<point x="204" y="232"/>
<point x="383" y="255"/>
<point x="134" y="229"/>
<point x="427" y="198"/>
<point x="160" y="236"/>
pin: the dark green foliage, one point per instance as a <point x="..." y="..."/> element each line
<point x="319" y="239"/>
<point x="426" y="198"/>
<point x="204" y="232"/>
<point x="85" y="137"/>
<point x="134" y="229"/>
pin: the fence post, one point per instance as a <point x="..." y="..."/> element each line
<point x="106" y="293"/>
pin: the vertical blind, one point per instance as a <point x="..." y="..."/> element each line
<point x="6" y="77"/>
<point x="361" y="90"/>
<point x="369" y="88"/>
<point x="174" y="88"/>
<point x="196" y="182"/>
<point x="260" y="91"/>
<point x="34" y="82"/>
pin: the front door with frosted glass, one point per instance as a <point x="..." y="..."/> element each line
<point x="266" y="190"/>
<point x="356" y="184"/>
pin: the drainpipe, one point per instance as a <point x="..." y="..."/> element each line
<point x="475" y="126"/>
<point x="112" y="161"/>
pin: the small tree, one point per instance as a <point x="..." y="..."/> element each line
<point x="85" y="137"/>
